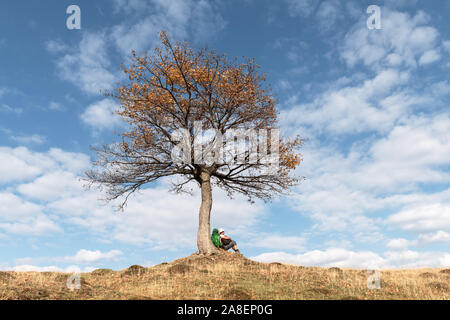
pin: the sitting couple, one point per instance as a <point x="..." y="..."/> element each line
<point x="220" y="240"/>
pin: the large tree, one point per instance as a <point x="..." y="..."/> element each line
<point x="195" y="114"/>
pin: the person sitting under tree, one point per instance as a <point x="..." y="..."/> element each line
<point x="224" y="241"/>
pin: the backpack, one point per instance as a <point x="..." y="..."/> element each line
<point x="215" y="238"/>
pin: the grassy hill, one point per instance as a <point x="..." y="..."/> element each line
<point x="227" y="276"/>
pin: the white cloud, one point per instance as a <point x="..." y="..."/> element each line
<point x="436" y="237"/>
<point x="416" y="259"/>
<point x="14" y="207"/>
<point x="198" y="18"/>
<point x="71" y="161"/>
<point x="441" y="88"/>
<point x="139" y="37"/>
<point x="328" y="13"/>
<point x="24" y="164"/>
<point x="412" y="153"/>
<point x="426" y="218"/>
<point x="344" y="191"/>
<point x="101" y="115"/>
<point x="84" y="256"/>
<point x="52" y="174"/>
<point x="56" y="106"/>
<point x="429" y="57"/>
<point x="51" y="186"/>
<point x="303" y="8"/>
<point x="277" y="242"/>
<point x="3" y="91"/>
<point x="8" y="109"/>
<point x="446" y="45"/>
<point x="39" y="225"/>
<point x="131" y="6"/>
<point x="398" y="244"/>
<point x="423" y="239"/>
<point x="332" y="257"/>
<point x="207" y="21"/>
<point x="402" y="40"/>
<point x="154" y="216"/>
<point x="371" y="106"/>
<point x="18" y="216"/>
<point x="31" y="139"/>
<point x="337" y="257"/>
<point x="20" y="165"/>
<point x="28" y="268"/>
<point x="399" y="3"/>
<point x="56" y="46"/>
<point x="88" y="66"/>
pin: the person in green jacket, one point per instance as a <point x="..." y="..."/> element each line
<point x="220" y="240"/>
<point x="226" y="242"/>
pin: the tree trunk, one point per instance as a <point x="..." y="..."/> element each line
<point x="204" y="243"/>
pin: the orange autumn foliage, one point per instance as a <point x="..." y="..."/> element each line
<point x="173" y="87"/>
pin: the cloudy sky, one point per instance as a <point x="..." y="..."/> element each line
<point x="372" y="104"/>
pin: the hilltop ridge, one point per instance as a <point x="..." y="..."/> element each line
<point x="227" y="276"/>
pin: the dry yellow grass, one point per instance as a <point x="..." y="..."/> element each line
<point x="228" y="276"/>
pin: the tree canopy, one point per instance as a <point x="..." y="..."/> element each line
<point x="218" y="113"/>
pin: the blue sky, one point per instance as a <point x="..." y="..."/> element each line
<point x="372" y="104"/>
